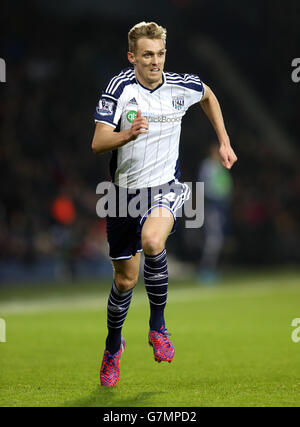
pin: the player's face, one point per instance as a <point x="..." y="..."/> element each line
<point x="149" y="60"/>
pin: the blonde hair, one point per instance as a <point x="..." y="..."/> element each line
<point x="150" y="30"/>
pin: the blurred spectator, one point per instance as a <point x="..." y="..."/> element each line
<point x="217" y="197"/>
<point x="64" y="213"/>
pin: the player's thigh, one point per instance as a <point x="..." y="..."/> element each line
<point x="156" y="230"/>
<point x="126" y="272"/>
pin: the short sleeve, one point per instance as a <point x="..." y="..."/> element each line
<point x="108" y="110"/>
<point x="196" y="88"/>
<point x="110" y="105"/>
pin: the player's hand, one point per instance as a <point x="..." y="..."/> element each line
<point x="227" y="154"/>
<point x="139" y="126"/>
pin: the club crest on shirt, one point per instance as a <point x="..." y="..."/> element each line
<point x="105" y="107"/>
<point x="178" y="102"/>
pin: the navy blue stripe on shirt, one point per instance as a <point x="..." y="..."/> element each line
<point x="189" y="84"/>
<point x="189" y="81"/>
<point x="177" y="173"/>
<point x="119" y="90"/>
<point x="107" y="95"/>
<point x="114" y="86"/>
<point x="194" y="86"/>
<point x="124" y="75"/>
<point x="178" y="80"/>
<point x="112" y="81"/>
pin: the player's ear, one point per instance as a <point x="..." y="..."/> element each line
<point x="131" y="58"/>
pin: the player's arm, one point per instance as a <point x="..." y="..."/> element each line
<point x="212" y="109"/>
<point x="105" y="139"/>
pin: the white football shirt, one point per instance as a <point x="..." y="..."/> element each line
<point x="152" y="159"/>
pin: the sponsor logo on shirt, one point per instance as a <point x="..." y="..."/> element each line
<point x="162" y="119"/>
<point x="131" y="115"/>
<point x="178" y="102"/>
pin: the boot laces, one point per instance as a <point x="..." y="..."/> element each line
<point x="110" y="362"/>
<point x="165" y="336"/>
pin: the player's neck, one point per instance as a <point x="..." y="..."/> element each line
<point x="147" y="84"/>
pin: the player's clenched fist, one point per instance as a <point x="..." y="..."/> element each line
<point x="139" y="125"/>
<point x="228" y="156"/>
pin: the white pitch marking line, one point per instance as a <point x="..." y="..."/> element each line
<point x="99" y="301"/>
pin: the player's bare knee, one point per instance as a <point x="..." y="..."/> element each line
<point x="125" y="283"/>
<point x="152" y="244"/>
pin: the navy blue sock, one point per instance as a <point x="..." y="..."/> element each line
<point x="117" y="308"/>
<point x="156" y="282"/>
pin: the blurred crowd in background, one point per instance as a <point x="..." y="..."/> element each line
<point x="60" y="57"/>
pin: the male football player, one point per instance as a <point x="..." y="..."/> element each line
<point x="138" y="118"/>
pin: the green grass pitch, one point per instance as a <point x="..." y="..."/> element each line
<point x="233" y="345"/>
